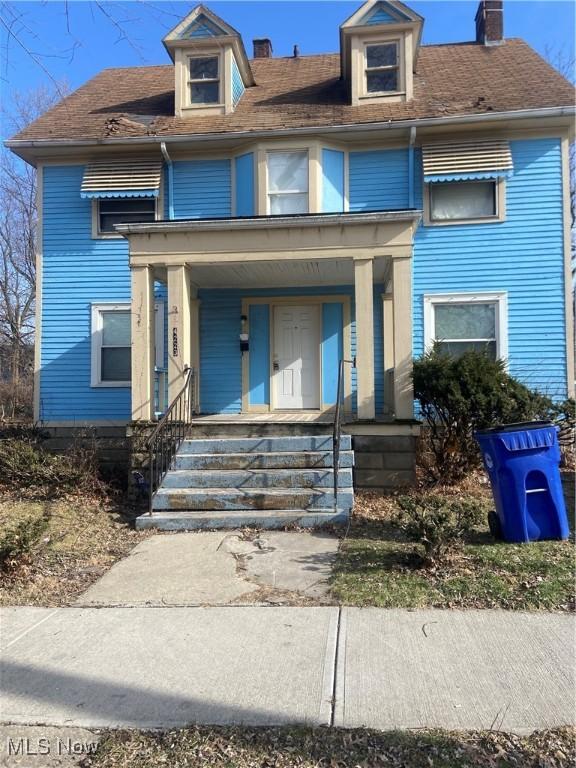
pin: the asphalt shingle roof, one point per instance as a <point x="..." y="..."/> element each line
<point x="306" y="92"/>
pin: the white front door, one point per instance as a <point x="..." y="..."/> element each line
<point x="296" y="356"/>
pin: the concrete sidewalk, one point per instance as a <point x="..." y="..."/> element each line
<point x="167" y="667"/>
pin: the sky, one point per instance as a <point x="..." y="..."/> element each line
<point x="73" y="41"/>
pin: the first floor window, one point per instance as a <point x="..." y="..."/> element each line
<point x="463" y="200"/>
<point x="124" y="210"/>
<point x="111" y="344"/>
<point x="204" y="82"/>
<point x="459" y="323"/>
<point x="287" y="182"/>
<point x="382" y="68"/>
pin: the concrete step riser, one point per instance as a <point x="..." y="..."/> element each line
<point x="271" y="478"/>
<point x="272" y="429"/>
<point x="264" y="445"/>
<point x="201" y="500"/>
<point x="262" y="461"/>
<point x="192" y="521"/>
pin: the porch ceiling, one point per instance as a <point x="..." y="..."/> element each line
<point x="280" y="274"/>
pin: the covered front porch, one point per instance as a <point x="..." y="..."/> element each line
<point x="264" y="309"/>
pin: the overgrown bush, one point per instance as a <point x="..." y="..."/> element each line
<point x="24" y="464"/>
<point x="460" y="395"/>
<point x="18" y="539"/>
<point x="437" y="523"/>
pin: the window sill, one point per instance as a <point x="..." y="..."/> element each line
<point x="107" y="236"/>
<point x="463" y="222"/>
<point x="111" y="384"/>
<point x="382" y="98"/>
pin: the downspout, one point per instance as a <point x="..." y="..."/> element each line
<point x="168" y="162"/>
<point x="411" y="180"/>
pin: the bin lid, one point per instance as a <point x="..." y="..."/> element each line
<point x="519" y="426"/>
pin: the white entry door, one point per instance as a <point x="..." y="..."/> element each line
<point x="296" y="356"/>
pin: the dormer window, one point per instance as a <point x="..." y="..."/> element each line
<point x="204" y="82"/>
<point x="379" y="48"/>
<point x="211" y="69"/>
<point x="382" y="68"/>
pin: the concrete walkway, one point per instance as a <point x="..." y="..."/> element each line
<point x="167" y="667"/>
<point x="219" y="568"/>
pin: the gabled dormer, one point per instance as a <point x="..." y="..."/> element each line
<point x="378" y="48"/>
<point x="211" y="69"/>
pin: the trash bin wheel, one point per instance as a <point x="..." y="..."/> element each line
<point x="495" y="525"/>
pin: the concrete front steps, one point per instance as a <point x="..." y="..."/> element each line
<point x="268" y="482"/>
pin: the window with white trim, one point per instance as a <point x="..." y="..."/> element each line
<point x="463" y="200"/>
<point x="382" y="68"/>
<point x="458" y="323"/>
<point x="204" y="79"/>
<point x="111" y="344"/>
<point x="288" y="182"/>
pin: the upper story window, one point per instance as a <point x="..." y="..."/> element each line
<point x="204" y="79"/>
<point x="382" y="68"/>
<point x="463" y="201"/>
<point x="111" y="211"/>
<point x="287" y="182"/>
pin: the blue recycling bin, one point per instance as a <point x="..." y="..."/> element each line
<point x="523" y="463"/>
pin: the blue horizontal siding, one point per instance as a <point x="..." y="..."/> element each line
<point x="378" y="180"/>
<point x="244" y="182"/>
<point x="381" y="15"/>
<point x="202" y="189"/>
<point x="522" y="255"/>
<point x="332" y="181"/>
<point x="220" y="357"/>
<point x="77" y="271"/>
<point x="237" y="83"/>
<point x="201" y="28"/>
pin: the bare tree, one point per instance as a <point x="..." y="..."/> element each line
<point x="18" y="221"/>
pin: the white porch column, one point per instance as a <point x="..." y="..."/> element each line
<point x="143" y="343"/>
<point x="364" y="296"/>
<point x="402" y="311"/>
<point x="179" y="328"/>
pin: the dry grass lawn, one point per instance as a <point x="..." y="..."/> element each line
<point x="83" y="538"/>
<point x="378" y="567"/>
<point x="205" y="747"/>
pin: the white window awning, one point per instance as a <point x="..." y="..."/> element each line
<point x="467" y="160"/>
<point x="131" y="178"/>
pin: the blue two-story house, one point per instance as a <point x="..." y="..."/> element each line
<point x="224" y="235"/>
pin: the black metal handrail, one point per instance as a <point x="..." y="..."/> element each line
<point x="337" y="427"/>
<point x="170" y="433"/>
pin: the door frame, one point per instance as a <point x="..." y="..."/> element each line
<point x="273" y="308"/>
<point x="273" y="301"/>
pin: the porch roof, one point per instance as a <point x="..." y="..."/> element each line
<point x="271" y="222"/>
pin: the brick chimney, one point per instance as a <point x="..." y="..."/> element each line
<point x="262" y="48"/>
<point x="490" y="22"/>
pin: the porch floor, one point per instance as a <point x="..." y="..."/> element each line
<point x="273" y="417"/>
